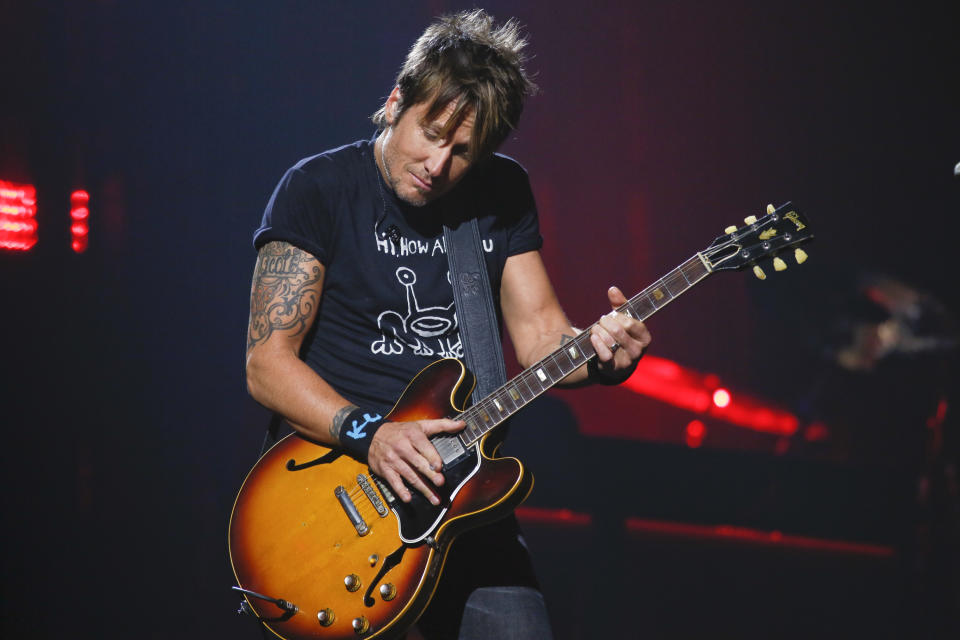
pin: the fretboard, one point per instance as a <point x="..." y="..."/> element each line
<point x="491" y="411"/>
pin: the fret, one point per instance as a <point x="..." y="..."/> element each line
<point x="671" y="287"/>
<point x="697" y="270"/>
<point x="574" y="354"/>
<point x="552" y="368"/>
<point x="510" y="405"/>
<point x="536" y="380"/>
<point x="514" y="394"/>
<point x="495" y="411"/>
<point x="514" y="404"/>
<point x="640" y="307"/>
<point x="480" y="425"/>
<point x="567" y="362"/>
<point x="533" y="381"/>
<point x="540" y="375"/>
<point x="485" y="418"/>
<point x="586" y="347"/>
<point x="475" y="432"/>
<point x="524" y="389"/>
<point x="684" y="272"/>
<point x="472" y="430"/>
<point x="657" y="298"/>
<point x="674" y="284"/>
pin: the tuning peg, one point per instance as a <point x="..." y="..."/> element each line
<point x="800" y="255"/>
<point x="730" y="229"/>
<point x="771" y="208"/>
<point x="757" y="271"/>
<point x="750" y="219"/>
<point x="779" y="265"/>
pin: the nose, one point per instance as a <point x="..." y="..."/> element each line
<point x="438" y="160"/>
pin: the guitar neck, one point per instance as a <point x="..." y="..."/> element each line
<point x="527" y="386"/>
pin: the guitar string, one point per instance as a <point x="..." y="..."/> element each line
<point x="675" y="280"/>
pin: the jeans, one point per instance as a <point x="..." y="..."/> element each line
<point x="488" y="590"/>
<point x="505" y="613"/>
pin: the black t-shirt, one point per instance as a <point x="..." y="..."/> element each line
<point x="387" y="306"/>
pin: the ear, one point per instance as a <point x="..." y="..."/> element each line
<point x="392" y="107"/>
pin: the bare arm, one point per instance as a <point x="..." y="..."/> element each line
<point x="284" y="298"/>
<point x="537" y="325"/>
<point x="286" y="290"/>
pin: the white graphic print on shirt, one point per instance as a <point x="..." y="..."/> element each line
<point x="428" y="331"/>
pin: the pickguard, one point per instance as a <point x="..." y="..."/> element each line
<point x="418" y="518"/>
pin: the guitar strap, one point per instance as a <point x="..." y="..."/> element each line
<point x="476" y="313"/>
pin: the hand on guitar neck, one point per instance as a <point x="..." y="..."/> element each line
<point x="619" y="340"/>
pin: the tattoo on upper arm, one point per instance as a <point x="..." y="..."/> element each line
<point x="337" y="425"/>
<point x="283" y="295"/>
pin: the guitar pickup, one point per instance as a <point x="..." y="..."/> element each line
<point x="449" y="447"/>
<point x="351" y="510"/>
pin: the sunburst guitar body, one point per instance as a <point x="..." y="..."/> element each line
<point x="315" y="529"/>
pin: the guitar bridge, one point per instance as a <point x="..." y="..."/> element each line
<point x="372" y="496"/>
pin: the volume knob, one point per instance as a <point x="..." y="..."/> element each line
<point x="388" y="591"/>
<point x="326" y="617"/>
<point x="361" y="625"/>
<point x="352" y="582"/>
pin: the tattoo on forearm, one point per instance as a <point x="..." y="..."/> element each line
<point x="337" y="425"/>
<point x="283" y="294"/>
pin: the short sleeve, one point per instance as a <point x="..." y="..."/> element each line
<point x="516" y="207"/>
<point x="301" y="211"/>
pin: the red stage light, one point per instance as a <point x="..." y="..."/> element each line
<point x="695" y="433"/>
<point x="689" y="389"/>
<point x="721" y="398"/>
<point x="80" y="214"/>
<point x="18" y="211"/>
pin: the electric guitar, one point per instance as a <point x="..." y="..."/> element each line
<point x="322" y="548"/>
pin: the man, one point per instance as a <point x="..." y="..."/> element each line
<point x="351" y="296"/>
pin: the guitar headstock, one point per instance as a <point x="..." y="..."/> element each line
<point x="760" y="240"/>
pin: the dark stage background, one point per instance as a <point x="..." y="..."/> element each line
<point x="127" y="425"/>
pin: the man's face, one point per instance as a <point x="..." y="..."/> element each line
<point x="416" y="162"/>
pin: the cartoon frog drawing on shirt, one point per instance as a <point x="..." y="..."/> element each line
<point x="417" y="325"/>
